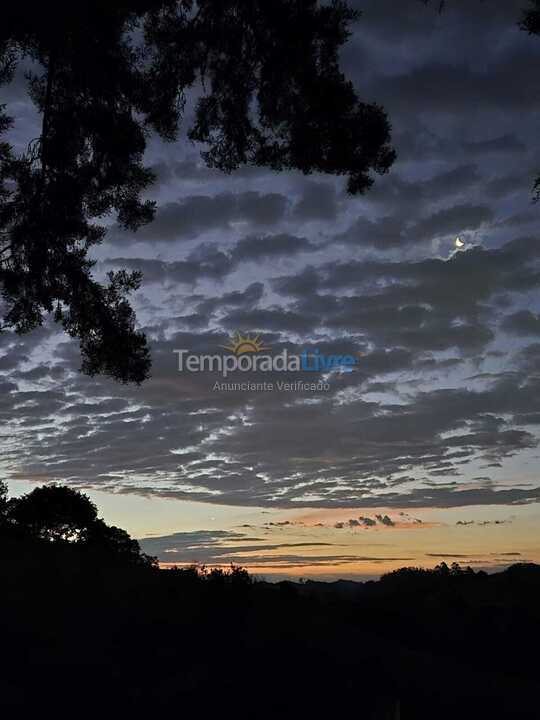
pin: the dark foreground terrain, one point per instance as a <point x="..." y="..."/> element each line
<point x="82" y="636"/>
<point x="91" y="627"/>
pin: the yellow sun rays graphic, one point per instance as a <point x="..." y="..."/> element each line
<point x="240" y="344"/>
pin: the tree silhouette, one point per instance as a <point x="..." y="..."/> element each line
<point x="59" y="515"/>
<point x="107" y="74"/>
<point x="531" y="18"/>
<point x="530" y="22"/>
<point x="53" y="512"/>
<point x="115" y="543"/>
<point x="3" y="504"/>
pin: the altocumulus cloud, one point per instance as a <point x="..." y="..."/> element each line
<point x="447" y="390"/>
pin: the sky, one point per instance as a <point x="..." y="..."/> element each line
<point x="427" y="448"/>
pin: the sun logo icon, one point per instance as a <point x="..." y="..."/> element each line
<point x="240" y="344"/>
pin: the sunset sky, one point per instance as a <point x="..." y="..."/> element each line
<point x="428" y="449"/>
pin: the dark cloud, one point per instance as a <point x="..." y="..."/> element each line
<point x="449" y="87"/>
<point x="523" y="322"/>
<point x="453" y="220"/>
<point x="194" y="215"/>
<point x="256" y="248"/>
<point x="271" y="319"/>
<point x="222" y="547"/>
<point x="247" y="298"/>
<point x="318" y="202"/>
<point x="207" y="261"/>
<point x="503" y="144"/>
<point x="416" y="305"/>
<point x="457" y="556"/>
<point x="191" y="168"/>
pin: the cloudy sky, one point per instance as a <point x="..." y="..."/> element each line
<point x="429" y="448"/>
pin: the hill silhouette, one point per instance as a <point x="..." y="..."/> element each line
<point x="89" y="628"/>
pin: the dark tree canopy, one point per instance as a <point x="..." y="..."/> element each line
<point x="107" y="74"/>
<point x="57" y="515"/>
<point x="531" y="24"/>
<point x="3" y="500"/>
<point x="531" y="17"/>
<point x="111" y="541"/>
<point x="53" y="512"/>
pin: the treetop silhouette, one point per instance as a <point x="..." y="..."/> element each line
<point x="53" y="512"/>
<point x="59" y="514"/>
<point x="106" y="75"/>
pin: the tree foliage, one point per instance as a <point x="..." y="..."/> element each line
<point x="531" y="23"/>
<point x="3" y="503"/>
<point x="113" y="542"/>
<point x="531" y="18"/>
<point x="53" y="512"/>
<point x="104" y="76"/>
<point x="67" y="517"/>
